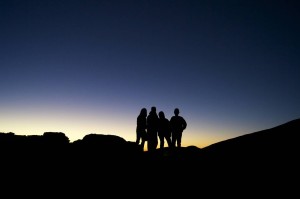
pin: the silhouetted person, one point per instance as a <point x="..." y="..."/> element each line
<point x="164" y="130"/>
<point x="141" y="128"/>
<point x="152" y="128"/>
<point x="178" y="125"/>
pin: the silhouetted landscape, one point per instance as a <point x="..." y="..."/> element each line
<point x="263" y="155"/>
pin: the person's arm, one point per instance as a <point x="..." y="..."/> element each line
<point x="184" y="124"/>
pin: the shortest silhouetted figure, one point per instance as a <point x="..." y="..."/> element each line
<point x="178" y="125"/>
<point x="141" y="128"/>
<point x="164" y="130"/>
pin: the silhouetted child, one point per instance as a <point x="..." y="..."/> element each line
<point x="164" y="130"/>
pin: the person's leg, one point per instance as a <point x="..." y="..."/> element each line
<point x="138" y="137"/>
<point x="175" y="139"/>
<point x="149" y="143"/>
<point x="179" y="139"/>
<point x="168" y="138"/>
<point x="161" y="141"/>
<point x="155" y="140"/>
<point x="152" y="142"/>
<point x="143" y="144"/>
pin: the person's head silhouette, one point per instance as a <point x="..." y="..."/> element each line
<point x="144" y="112"/>
<point x="153" y="109"/>
<point x="176" y="111"/>
<point x="161" y="115"/>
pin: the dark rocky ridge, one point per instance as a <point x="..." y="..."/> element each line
<point x="269" y="145"/>
<point x="265" y="160"/>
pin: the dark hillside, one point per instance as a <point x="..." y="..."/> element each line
<point x="265" y="156"/>
<point x="267" y="146"/>
<point x="271" y="145"/>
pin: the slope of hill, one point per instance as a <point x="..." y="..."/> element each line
<point x="275" y="144"/>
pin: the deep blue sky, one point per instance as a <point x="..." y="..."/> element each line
<point x="80" y="67"/>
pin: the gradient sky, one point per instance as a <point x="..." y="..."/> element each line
<point x="89" y="66"/>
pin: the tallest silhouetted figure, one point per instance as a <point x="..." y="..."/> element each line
<point x="152" y="129"/>
<point x="178" y="125"/>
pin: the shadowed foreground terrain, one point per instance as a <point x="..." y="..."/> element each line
<point x="267" y="157"/>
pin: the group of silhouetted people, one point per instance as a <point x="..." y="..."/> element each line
<point x="151" y="127"/>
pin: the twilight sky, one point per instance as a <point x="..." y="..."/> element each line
<point x="88" y="66"/>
